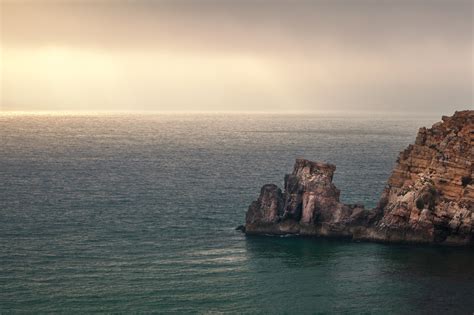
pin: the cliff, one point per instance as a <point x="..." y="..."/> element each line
<point x="429" y="198"/>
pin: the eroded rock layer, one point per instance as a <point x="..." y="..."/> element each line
<point x="429" y="198"/>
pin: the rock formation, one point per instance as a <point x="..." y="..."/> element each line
<point x="429" y="198"/>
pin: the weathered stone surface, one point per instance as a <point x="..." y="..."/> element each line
<point x="430" y="190"/>
<point x="429" y="198"/>
<point x="309" y="205"/>
<point x="268" y="208"/>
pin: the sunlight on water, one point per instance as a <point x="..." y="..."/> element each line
<point x="118" y="212"/>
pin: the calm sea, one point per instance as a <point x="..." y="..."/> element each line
<point x="136" y="213"/>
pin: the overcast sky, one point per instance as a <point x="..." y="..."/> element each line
<point x="393" y="55"/>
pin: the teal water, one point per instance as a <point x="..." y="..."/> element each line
<point x="136" y="213"/>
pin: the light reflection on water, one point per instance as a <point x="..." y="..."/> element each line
<point x="133" y="212"/>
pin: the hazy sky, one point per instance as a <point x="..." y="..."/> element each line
<point x="200" y="55"/>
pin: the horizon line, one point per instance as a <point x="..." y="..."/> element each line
<point x="217" y="112"/>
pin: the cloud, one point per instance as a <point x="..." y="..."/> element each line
<point x="308" y="55"/>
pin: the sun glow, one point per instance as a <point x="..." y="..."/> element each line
<point x="94" y="79"/>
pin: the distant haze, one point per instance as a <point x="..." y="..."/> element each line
<point x="224" y="55"/>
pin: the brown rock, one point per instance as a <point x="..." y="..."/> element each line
<point x="429" y="177"/>
<point x="429" y="197"/>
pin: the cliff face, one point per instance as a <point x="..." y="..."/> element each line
<point x="429" y="197"/>
<point x="430" y="194"/>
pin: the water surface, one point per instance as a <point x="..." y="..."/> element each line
<point x="129" y="212"/>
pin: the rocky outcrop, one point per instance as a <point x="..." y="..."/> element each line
<point x="429" y="198"/>
<point x="430" y="194"/>
<point x="309" y="205"/>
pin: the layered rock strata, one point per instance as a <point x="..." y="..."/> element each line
<point x="429" y="198"/>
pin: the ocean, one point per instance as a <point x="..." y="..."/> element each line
<point x="137" y="213"/>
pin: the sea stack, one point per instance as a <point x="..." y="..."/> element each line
<point x="429" y="198"/>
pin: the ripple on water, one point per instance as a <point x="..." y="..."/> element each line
<point x="137" y="213"/>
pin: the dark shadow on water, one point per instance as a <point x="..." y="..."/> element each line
<point x="420" y="259"/>
<point x="294" y="249"/>
<point x="406" y="278"/>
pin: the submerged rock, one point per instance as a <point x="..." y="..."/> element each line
<point x="429" y="197"/>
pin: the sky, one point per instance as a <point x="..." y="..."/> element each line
<point x="237" y="55"/>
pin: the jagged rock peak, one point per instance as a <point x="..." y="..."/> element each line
<point x="309" y="168"/>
